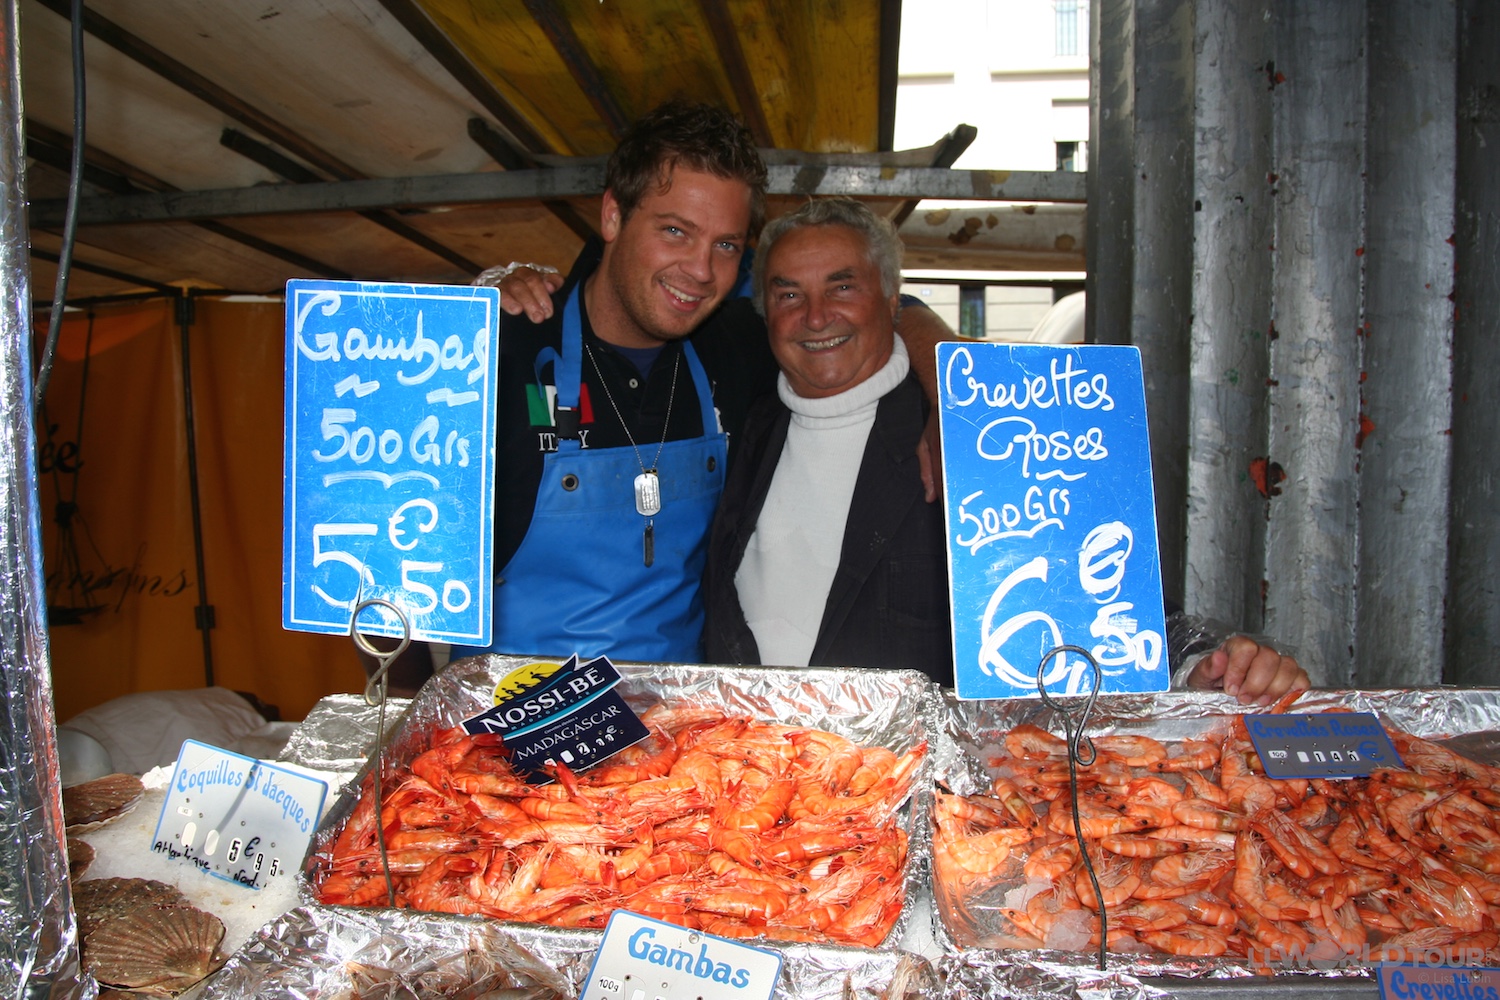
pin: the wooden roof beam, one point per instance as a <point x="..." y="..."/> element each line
<point x="55" y="149"/>
<point x="732" y="58"/>
<point x="104" y="272"/>
<point x="544" y="185"/>
<point x="223" y="100"/>
<point x="289" y="169"/>
<point x="205" y="90"/>
<point x="949" y="149"/>
<point x="514" y="150"/>
<point x="890" y="64"/>
<point x="554" y="24"/>
<point x="109" y="166"/>
<point x="523" y="139"/>
<point x="492" y="143"/>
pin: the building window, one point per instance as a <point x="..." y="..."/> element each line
<point x="1067" y="26"/>
<point x="1072" y="156"/>
<point x="1072" y="27"/>
<point x="971" y="321"/>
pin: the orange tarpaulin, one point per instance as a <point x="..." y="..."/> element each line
<point x="122" y="581"/>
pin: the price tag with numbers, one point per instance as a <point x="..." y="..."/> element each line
<point x="1331" y="745"/>
<point x="1051" y="518"/>
<point x="236" y="818"/>
<point x="390" y="449"/>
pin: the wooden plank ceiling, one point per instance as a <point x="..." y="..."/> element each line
<point x="208" y="95"/>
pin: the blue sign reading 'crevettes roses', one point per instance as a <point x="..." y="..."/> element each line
<point x="1051" y="519"/>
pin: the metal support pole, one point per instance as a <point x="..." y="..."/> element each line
<point x="203" y="614"/>
<point x="1319" y="135"/>
<point x="1232" y="213"/>
<point x="1406" y="398"/>
<point x="38" y="934"/>
<point x="1474" y="540"/>
<point x="1111" y="175"/>
<point x="1161" y="308"/>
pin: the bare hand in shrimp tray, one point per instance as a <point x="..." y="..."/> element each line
<point x="1254" y="674"/>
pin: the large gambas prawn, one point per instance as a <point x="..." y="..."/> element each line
<point x="727" y="825"/>
<point x="1198" y="853"/>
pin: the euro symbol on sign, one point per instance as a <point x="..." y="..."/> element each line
<point x="398" y="533"/>
<point x="1369" y="750"/>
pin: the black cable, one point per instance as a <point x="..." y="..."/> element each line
<point x="70" y="223"/>
<point x="65" y="560"/>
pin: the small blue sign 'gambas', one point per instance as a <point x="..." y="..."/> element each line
<point x="390" y="449"/>
<point x="1051" y="519"/>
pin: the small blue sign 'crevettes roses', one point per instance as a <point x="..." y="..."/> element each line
<point x="1051" y="518"/>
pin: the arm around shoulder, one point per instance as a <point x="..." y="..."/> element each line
<point x="921" y="330"/>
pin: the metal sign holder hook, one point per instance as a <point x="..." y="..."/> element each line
<point x="1081" y="753"/>
<point x="376" y="686"/>
<point x="375" y="694"/>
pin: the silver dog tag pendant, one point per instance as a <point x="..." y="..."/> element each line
<point x="647" y="494"/>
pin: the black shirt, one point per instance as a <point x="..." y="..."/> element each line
<point x="731" y="344"/>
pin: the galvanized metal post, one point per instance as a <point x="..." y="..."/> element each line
<point x="1232" y="225"/>
<point x="1474" y="534"/>
<point x="1163" y="261"/>
<point x="1314" y="396"/>
<point x="38" y="936"/>
<point x="1406" y="381"/>
<point x="1111" y="175"/>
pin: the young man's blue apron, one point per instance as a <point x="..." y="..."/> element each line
<point x="580" y="580"/>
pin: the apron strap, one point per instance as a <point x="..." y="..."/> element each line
<point x="568" y="373"/>
<point x="705" y="392"/>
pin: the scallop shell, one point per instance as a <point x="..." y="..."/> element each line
<point x="161" y="950"/>
<point x="96" y="802"/>
<point x="80" y="856"/>
<point x="98" y="899"/>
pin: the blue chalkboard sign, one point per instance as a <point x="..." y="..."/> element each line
<point x="1051" y="518"/>
<point x="390" y="451"/>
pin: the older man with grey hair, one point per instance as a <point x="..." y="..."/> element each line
<point x="823" y="551"/>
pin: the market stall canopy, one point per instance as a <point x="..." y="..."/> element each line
<point x="235" y="145"/>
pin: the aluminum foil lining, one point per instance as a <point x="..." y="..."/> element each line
<point x="986" y="975"/>
<point x="341" y="953"/>
<point x="38" y="931"/>
<point x="338" y="734"/>
<point x="329" y="951"/>
<point x="1468" y="720"/>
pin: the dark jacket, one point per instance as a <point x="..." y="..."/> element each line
<point x="888" y="604"/>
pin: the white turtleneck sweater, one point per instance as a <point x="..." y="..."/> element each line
<point x="789" y="564"/>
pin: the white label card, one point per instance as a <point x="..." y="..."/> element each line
<point x="645" y="959"/>
<point x="237" y="818"/>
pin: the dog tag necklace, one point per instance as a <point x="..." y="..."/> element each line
<point x="647" y="484"/>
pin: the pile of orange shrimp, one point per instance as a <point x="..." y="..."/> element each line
<point x="1200" y="854"/>
<point x="726" y="825"/>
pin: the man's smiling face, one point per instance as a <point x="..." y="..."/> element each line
<point x="831" y="324"/>
<point x="669" y="264"/>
